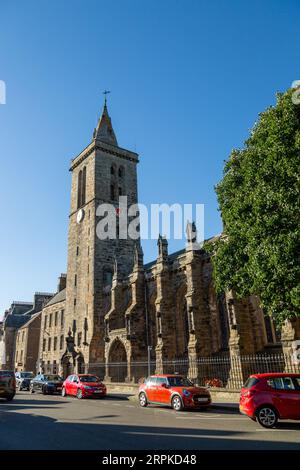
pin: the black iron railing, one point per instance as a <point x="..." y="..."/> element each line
<point x="217" y="371"/>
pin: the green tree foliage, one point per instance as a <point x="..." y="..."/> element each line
<point x="259" y="199"/>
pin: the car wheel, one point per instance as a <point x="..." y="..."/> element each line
<point x="9" y="397"/>
<point x="143" y="399"/>
<point x="31" y="389"/>
<point x="267" y="416"/>
<point x="177" y="403"/>
<point x="63" y="392"/>
<point x="44" y="390"/>
<point x="79" y="394"/>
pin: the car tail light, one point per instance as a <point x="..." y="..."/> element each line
<point x="248" y="394"/>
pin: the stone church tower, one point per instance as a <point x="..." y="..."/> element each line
<point x="101" y="173"/>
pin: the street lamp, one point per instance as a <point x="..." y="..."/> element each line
<point x="149" y="360"/>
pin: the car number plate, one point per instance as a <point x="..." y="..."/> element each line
<point x="58" y="388"/>
<point x="202" y="399"/>
<point x="98" y="391"/>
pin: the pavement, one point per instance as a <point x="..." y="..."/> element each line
<point x="38" y="422"/>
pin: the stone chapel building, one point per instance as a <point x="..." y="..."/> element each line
<point x="113" y="309"/>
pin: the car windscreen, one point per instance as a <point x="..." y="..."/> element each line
<point x="250" y="382"/>
<point x="26" y="375"/>
<point x="179" y="382"/>
<point x="89" y="378"/>
<point x="53" y="378"/>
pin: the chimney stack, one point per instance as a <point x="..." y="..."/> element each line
<point x="62" y="282"/>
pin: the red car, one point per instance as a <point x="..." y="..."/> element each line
<point x="83" y="386"/>
<point x="174" y="390"/>
<point x="269" y="397"/>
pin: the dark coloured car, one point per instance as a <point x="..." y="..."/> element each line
<point x="46" y="384"/>
<point x="270" y="397"/>
<point x="23" y="380"/>
<point x="7" y="384"/>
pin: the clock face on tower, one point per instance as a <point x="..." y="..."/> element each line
<point x="80" y="216"/>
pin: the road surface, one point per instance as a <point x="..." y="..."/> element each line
<point x="38" y="422"/>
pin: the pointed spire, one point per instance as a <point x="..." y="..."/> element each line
<point x="191" y="237"/>
<point x="191" y="232"/>
<point x="104" y="130"/>
<point x="138" y="257"/>
<point x="162" y="243"/>
<point x="116" y="276"/>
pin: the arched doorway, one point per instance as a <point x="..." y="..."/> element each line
<point x="117" y="361"/>
<point x="67" y="367"/>
<point x="80" y="365"/>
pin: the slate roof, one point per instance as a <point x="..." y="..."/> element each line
<point x="16" y="321"/>
<point x="19" y="308"/>
<point x="21" y="312"/>
<point x="39" y="299"/>
<point x="59" y="297"/>
<point x="31" y="319"/>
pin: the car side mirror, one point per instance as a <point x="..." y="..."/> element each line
<point x="164" y="385"/>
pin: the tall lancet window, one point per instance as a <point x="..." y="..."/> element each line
<point x="81" y="187"/>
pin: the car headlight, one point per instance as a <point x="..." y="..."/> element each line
<point x="186" y="393"/>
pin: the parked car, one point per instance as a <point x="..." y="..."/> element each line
<point x="174" y="390"/>
<point x="270" y="397"/>
<point x="7" y="384"/>
<point x="83" y="386"/>
<point x="23" y="380"/>
<point x="46" y="384"/>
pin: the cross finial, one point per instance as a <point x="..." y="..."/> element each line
<point x="105" y="93"/>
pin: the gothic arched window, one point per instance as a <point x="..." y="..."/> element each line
<point x="81" y="187"/>
<point x="107" y="277"/>
<point x="112" y="192"/>
<point x="121" y="172"/>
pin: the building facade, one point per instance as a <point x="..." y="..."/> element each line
<point x="15" y="317"/>
<point x="112" y="313"/>
<point x="117" y="310"/>
<point x="52" y="331"/>
<point x="27" y="344"/>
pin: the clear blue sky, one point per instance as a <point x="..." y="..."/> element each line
<point x="188" y="79"/>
